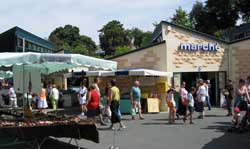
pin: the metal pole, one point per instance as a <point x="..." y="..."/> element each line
<point x="23" y="44"/>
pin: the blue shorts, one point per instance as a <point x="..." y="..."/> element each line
<point x="91" y="113"/>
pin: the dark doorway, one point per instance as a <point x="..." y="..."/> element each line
<point x="191" y="79"/>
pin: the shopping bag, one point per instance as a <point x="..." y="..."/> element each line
<point x="108" y="111"/>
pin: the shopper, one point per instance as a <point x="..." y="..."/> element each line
<point x="12" y="96"/>
<point x="182" y="109"/>
<point x="228" y="92"/>
<point x="248" y="85"/>
<point x="190" y="105"/>
<point x="201" y="98"/>
<point x="35" y="100"/>
<point x="171" y="105"/>
<point x="207" y="86"/>
<point x="135" y="97"/>
<point x="99" y="110"/>
<point x="107" y="106"/>
<point x="114" y="98"/>
<point x="54" y="97"/>
<point x="82" y="93"/>
<point x="42" y="102"/>
<point x="242" y="96"/>
<point x="93" y="102"/>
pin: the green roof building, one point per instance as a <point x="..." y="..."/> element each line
<point x="19" y="40"/>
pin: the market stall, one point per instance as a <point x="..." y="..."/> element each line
<point x="28" y="69"/>
<point x="35" y="132"/>
<point x="154" y="85"/>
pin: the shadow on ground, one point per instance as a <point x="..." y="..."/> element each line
<point x="229" y="140"/>
<point x="49" y="144"/>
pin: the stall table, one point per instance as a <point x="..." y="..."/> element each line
<point x="150" y="105"/>
<point x="35" y="136"/>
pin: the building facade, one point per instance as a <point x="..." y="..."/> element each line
<point x="191" y="55"/>
<point x="19" y="40"/>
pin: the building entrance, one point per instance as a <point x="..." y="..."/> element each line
<point x="217" y="82"/>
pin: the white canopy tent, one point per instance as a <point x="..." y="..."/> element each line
<point x="148" y="72"/>
<point x="10" y="59"/>
<point x="46" y="63"/>
<point x="132" y="72"/>
<point x="96" y="73"/>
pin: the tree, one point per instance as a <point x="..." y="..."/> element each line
<point x="68" y="37"/>
<point x="138" y="38"/>
<point x="122" y="49"/>
<point x="197" y="16"/>
<point x="215" y="16"/>
<point x="222" y="13"/>
<point x="113" y="35"/>
<point x="181" y="17"/>
<point x="244" y="9"/>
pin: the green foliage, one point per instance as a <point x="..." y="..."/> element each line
<point x="138" y="38"/>
<point x="122" y="49"/>
<point x="214" y="16"/>
<point x="181" y="17"/>
<point x="113" y="35"/>
<point x="244" y="9"/>
<point x="69" y="38"/>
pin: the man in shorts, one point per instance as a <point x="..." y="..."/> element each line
<point x="135" y="97"/>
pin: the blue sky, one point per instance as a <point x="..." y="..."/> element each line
<point x="43" y="16"/>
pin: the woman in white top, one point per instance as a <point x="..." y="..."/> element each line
<point x="82" y="94"/>
<point x="12" y="96"/>
<point x="201" y="98"/>
<point x="171" y="105"/>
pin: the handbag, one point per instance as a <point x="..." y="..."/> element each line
<point x="225" y="92"/>
<point x="184" y="101"/>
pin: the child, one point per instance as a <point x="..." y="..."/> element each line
<point x="190" y="105"/>
<point x="236" y="117"/>
<point x="34" y="102"/>
<point x="171" y="105"/>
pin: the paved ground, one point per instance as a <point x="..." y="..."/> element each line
<point x="155" y="133"/>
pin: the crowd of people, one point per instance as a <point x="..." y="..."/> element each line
<point x="184" y="105"/>
<point x="188" y="102"/>
<point x="91" y="107"/>
<point x="237" y="100"/>
<point x="34" y="100"/>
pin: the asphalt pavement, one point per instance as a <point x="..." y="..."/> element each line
<point x="155" y="133"/>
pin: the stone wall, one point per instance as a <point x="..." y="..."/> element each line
<point x="240" y="60"/>
<point x="150" y="58"/>
<point x="191" y="61"/>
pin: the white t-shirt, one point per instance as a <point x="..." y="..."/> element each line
<point x="248" y="88"/>
<point x="12" y="93"/>
<point x="184" y="93"/>
<point x="54" y="93"/>
<point x="190" y="99"/>
<point x="170" y="98"/>
<point x="202" y="93"/>
<point x="207" y="89"/>
<point x="82" y="94"/>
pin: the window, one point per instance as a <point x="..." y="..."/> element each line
<point x="20" y="42"/>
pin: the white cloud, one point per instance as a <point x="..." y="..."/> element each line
<point x="42" y="17"/>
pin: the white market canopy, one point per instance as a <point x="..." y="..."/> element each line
<point x="96" y="73"/>
<point x="131" y="72"/>
<point x="148" y="72"/>
<point x="46" y="60"/>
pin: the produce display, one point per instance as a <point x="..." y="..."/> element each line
<point x="44" y="121"/>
